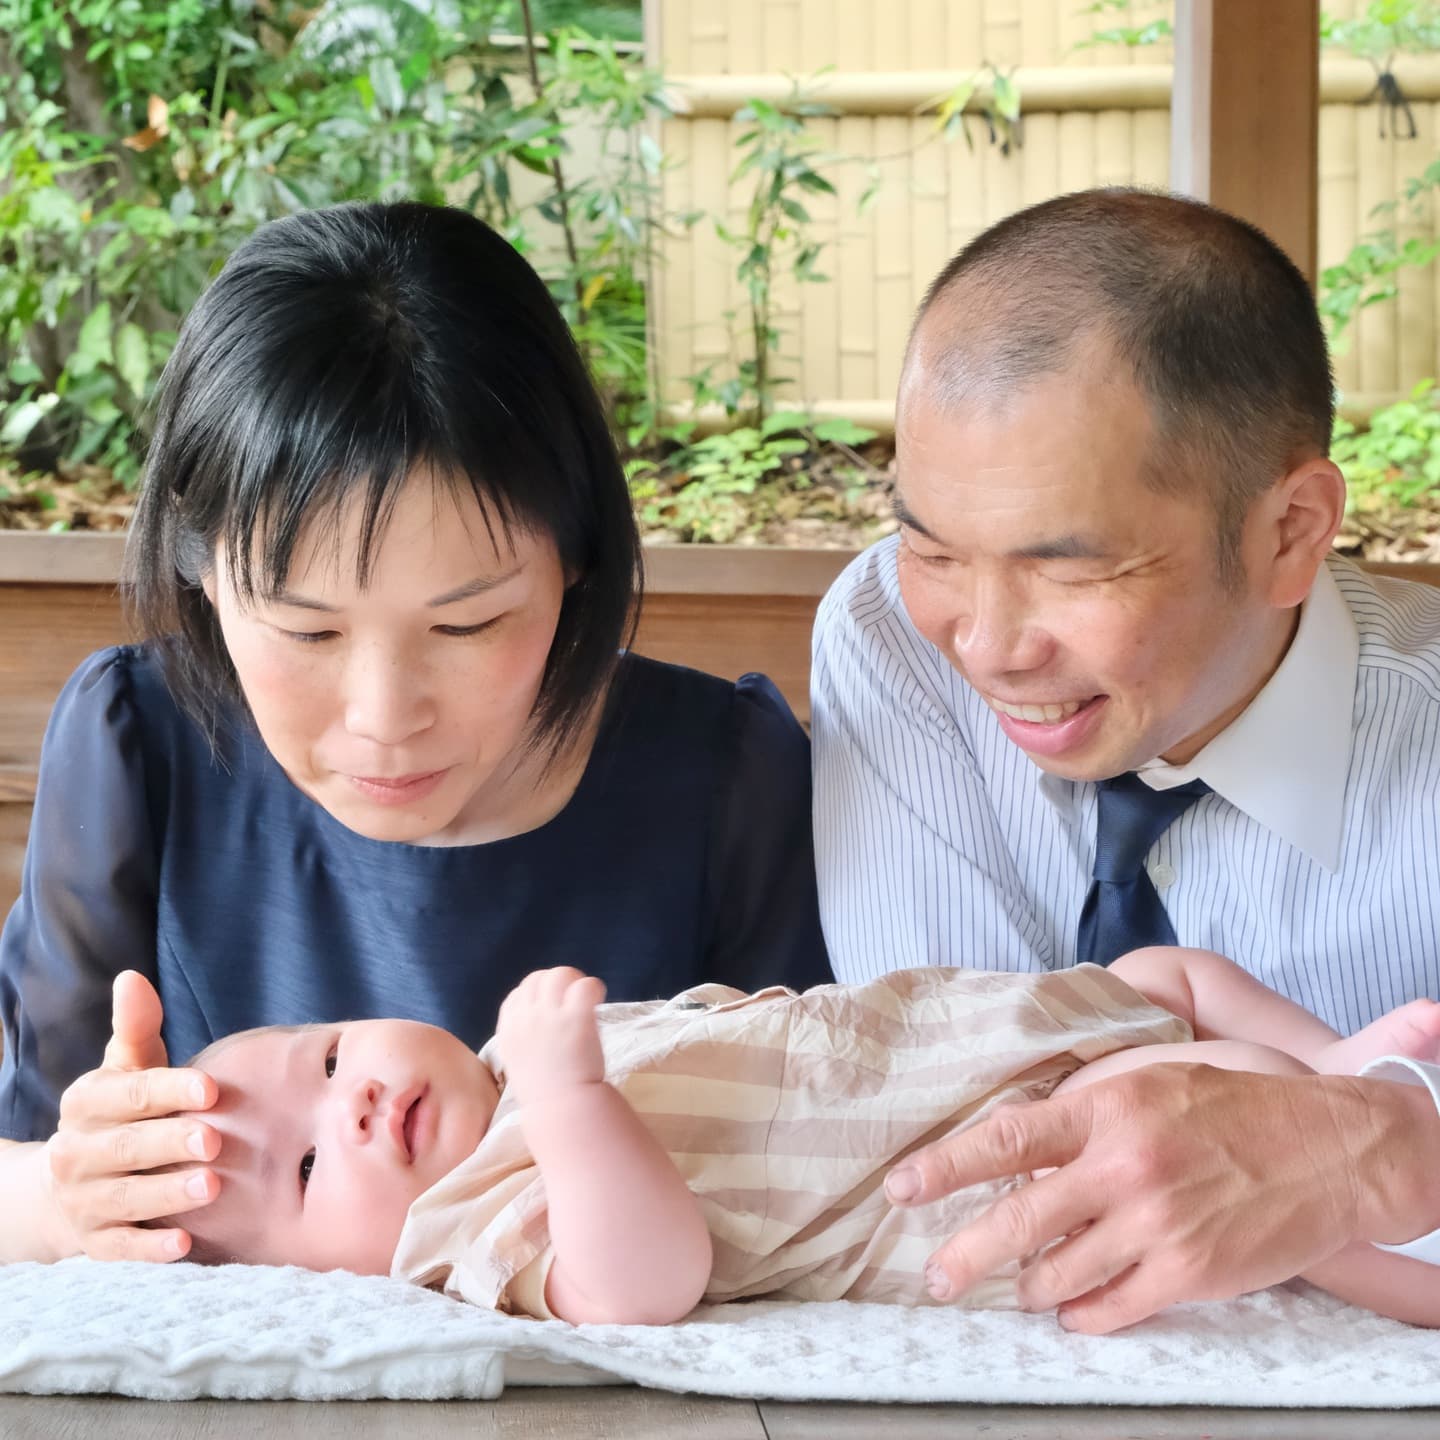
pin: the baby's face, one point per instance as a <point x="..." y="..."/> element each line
<point x="328" y="1134"/>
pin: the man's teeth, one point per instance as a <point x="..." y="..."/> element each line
<point x="1039" y="714"/>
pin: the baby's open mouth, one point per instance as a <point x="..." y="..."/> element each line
<point x="407" y="1128"/>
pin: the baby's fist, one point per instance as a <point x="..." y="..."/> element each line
<point x="547" y="1034"/>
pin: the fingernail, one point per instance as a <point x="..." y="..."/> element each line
<point x="902" y="1184"/>
<point x="937" y="1282"/>
<point x="197" y="1091"/>
<point x="198" y="1185"/>
<point x="175" y="1246"/>
<point x="195" y="1143"/>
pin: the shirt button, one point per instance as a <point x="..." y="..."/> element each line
<point x="1162" y="875"/>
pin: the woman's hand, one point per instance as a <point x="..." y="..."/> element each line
<point x="548" y="1037"/>
<point x="122" y="1132"/>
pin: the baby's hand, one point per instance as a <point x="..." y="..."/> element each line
<point x="548" y="1038"/>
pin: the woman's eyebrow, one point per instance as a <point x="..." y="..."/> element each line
<point x="467" y="591"/>
<point x="299" y="602"/>
<point x="472" y="588"/>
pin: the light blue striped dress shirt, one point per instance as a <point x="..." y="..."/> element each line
<point x="1315" y="863"/>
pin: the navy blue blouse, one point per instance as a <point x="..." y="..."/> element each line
<point x="684" y="855"/>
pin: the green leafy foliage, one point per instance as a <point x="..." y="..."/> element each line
<point x="1140" y="26"/>
<point x="706" y="491"/>
<point x="1385" y="28"/>
<point x="1397" y="457"/>
<point x="780" y="162"/>
<point x="140" y="143"/>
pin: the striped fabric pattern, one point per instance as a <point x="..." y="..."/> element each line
<point x="784" y="1112"/>
<point x="936" y="846"/>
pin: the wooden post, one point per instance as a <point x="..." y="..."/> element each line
<point x="1245" y="114"/>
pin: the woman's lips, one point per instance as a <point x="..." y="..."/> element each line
<point x="403" y="790"/>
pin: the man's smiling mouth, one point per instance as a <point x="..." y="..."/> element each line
<point x="1048" y="714"/>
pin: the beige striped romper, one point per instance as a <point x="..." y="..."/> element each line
<point x="784" y="1112"/>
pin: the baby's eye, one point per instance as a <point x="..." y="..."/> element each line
<point x="330" y="1058"/>
<point x="307" y="1165"/>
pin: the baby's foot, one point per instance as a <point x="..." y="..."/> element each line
<point x="1412" y="1030"/>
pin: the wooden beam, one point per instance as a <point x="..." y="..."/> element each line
<point x="1245" y="114"/>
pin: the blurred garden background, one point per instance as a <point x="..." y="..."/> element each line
<point x="736" y="203"/>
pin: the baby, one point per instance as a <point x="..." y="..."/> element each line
<point x="623" y="1162"/>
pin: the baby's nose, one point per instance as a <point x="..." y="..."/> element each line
<point x="360" y="1110"/>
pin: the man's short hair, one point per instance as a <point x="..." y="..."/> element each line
<point x="1216" y="323"/>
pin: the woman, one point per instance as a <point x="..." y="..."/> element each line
<point x="382" y="751"/>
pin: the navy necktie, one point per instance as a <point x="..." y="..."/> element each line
<point x="1123" y="911"/>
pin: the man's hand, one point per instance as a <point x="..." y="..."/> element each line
<point x="1181" y="1182"/>
<point x="548" y="1038"/>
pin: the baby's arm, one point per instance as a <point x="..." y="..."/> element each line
<point x="630" y="1242"/>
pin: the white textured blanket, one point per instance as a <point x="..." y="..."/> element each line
<point x="182" y="1331"/>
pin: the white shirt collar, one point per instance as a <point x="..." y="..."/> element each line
<point x="1284" y="759"/>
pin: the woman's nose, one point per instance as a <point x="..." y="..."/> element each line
<point x="386" y="699"/>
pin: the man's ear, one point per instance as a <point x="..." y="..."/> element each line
<point x="1299" y="519"/>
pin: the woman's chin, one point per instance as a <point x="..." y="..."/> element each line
<point x="402" y="824"/>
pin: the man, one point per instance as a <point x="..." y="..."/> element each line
<point x="1113" y="566"/>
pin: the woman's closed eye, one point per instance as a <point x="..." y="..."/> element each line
<point x="459" y="632"/>
<point x="305" y="637"/>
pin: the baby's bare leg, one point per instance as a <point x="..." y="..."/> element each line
<point x="1222" y="1002"/>
<point x="1392" y="1285"/>
<point x="1222" y="1054"/>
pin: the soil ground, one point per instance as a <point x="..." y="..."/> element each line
<point x="823" y="503"/>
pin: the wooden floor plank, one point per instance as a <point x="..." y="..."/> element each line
<point x="1097" y="1422"/>
<point x="604" y="1413"/>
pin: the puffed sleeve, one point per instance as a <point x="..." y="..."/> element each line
<point x="764" y="918"/>
<point x="87" y="906"/>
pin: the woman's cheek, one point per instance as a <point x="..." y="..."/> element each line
<point x="516" y="663"/>
<point x="282" y="683"/>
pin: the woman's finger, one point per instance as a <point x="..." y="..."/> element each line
<point x="78" y="1155"/>
<point x="131" y="1242"/>
<point x="130" y="1199"/>
<point x="136" y="1016"/>
<point x="115" y="1097"/>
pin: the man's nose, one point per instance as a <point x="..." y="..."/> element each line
<point x="995" y="633"/>
<point x="387" y="698"/>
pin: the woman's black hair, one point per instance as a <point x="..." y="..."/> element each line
<point x="337" y="351"/>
